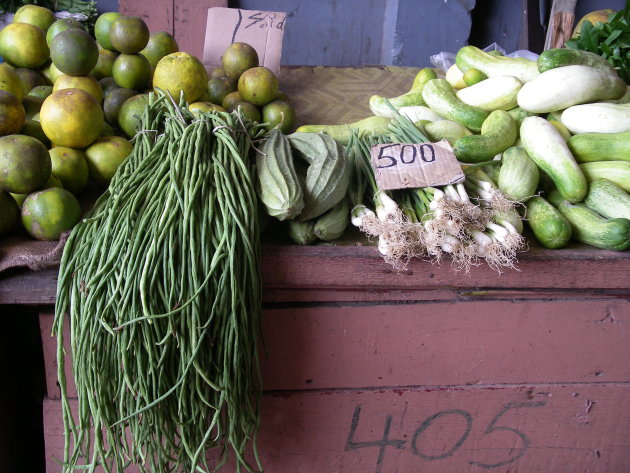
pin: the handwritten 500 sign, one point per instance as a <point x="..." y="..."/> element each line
<point x="402" y="165"/>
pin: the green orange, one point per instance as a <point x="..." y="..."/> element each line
<point x="113" y="101"/>
<point x="258" y="85"/>
<point x="24" y="164"/>
<point x="101" y="28"/>
<point x="10" y="213"/>
<point x="104" y="64"/>
<point x="72" y="118"/>
<point x="70" y="166"/>
<point x="35" y="15"/>
<point x="50" y="212"/>
<point x="104" y="157"/>
<point x="24" y="45"/>
<point x="160" y="44"/>
<point x="60" y="25"/>
<point x="130" y="114"/>
<point x="32" y="105"/>
<point x="87" y="83"/>
<point x="34" y="128"/>
<point x="132" y="71"/>
<point x="74" y="52"/>
<point x="279" y="114"/>
<point x="30" y="78"/>
<point x="179" y="73"/>
<point x="42" y="91"/>
<point x="198" y="108"/>
<point x="246" y="108"/>
<point x="219" y="87"/>
<point x="237" y="58"/>
<point x="10" y="81"/>
<point x="12" y="113"/>
<point x="129" y="34"/>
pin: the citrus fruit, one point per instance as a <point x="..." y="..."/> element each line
<point x="23" y="45"/>
<point x="237" y="58"/>
<point x="597" y="16"/>
<point x="74" y="52"/>
<point x="50" y="212"/>
<point x="86" y="83"/>
<point x="24" y="164"/>
<point x="60" y="25"/>
<point x="107" y="85"/>
<point x="30" y="78"/>
<point x="104" y="156"/>
<point x="113" y="102"/>
<point x="12" y="113"/>
<point x="230" y="99"/>
<point x="71" y="117"/>
<point x="129" y="34"/>
<point x="203" y="107"/>
<point x="107" y="130"/>
<point x="279" y="114"/>
<point x="132" y="71"/>
<point x="101" y="28"/>
<point x="104" y="64"/>
<point x="34" y="128"/>
<point x="282" y="96"/>
<point x="181" y="72"/>
<point x="70" y="166"/>
<point x="258" y="85"/>
<point x="160" y="44"/>
<point x="35" y="15"/>
<point x="217" y="72"/>
<point x="10" y="212"/>
<point x="42" y="91"/>
<point x="32" y="105"/>
<point x="473" y="76"/>
<point x="51" y="73"/>
<point x="219" y="87"/>
<point x="53" y="181"/>
<point x="130" y="114"/>
<point x="247" y="108"/>
<point x="10" y="81"/>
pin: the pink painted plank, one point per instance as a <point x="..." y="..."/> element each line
<point x="157" y="14"/>
<point x="535" y="429"/>
<point x="189" y="20"/>
<point x="450" y="343"/>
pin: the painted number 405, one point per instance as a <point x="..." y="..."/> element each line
<point x="416" y="443"/>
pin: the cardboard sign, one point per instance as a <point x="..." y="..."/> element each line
<point x="401" y="165"/>
<point x="263" y="30"/>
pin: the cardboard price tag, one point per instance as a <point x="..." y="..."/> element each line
<point x="263" y="30"/>
<point x="402" y="165"/>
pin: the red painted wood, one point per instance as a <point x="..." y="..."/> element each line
<point x="158" y="15"/>
<point x="189" y="19"/>
<point x="547" y="429"/>
<point x="448" y="343"/>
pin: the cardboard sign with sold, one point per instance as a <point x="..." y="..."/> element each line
<point x="263" y="30"/>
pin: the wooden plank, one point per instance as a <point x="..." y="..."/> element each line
<point x="561" y="19"/>
<point x="189" y="23"/>
<point x="158" y="15"/>
<point x="445" y="343"/>
<point x="523" y="428"/>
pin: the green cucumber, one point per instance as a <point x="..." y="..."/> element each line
<point x="549" y="226"/>
<point x="589" y="227"/>
<point x="498" y="133"/>
<point x="608" y="199"/>
<point x="587" y="147"/>
<point x="472" y="57"/>
<point x="378" y="103"/>
<point x="616" y="171"/>
<point x="439" y="96"/>
<point x="518" y="114"/>
<point x="547" y="148"/>
<point x="519" y="175"/>
<point x="341" y="133"/>
<point x="559" y="57"/>
<point x="448" y="130"/>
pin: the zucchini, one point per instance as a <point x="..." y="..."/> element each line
<point x="559" y="57"/>
<point x="378" y="103"/>
<point x="498" y="133"/>
<point x="549" y="226"/>
<point x="616" y="171"/>
<point x="494" y="93"/>
<point x="550" y="152"/>
<point x="600" y="117"/>
<point x="376" y="126"/>
<point x="608" y="199"/>
<point x="587" y="147"/>
<point x="446" y="130"/>
<point x="563" y="87"/>
<point x="519" y="175"/>
<point x="587" y="226"/>
<point x="472" y="57"/>
<point x="439" y="96"/>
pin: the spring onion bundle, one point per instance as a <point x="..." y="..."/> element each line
<point x="160" y="285"/>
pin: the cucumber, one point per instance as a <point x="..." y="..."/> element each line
<point x="559" y="57"/>
<point x="494" y="93"/>
<point x="378" y="104"/>
<point x="550" y="152"/>
<point x="341" y="133"/>
<point x="518" y="114"/>
<point x="446" y="130"/>
<point x="519" y="175"/>
<point x="472" y="57"/>
<point x="589" y="227"/>
<point x="599" y="117"/>
<point x="439" y="96"/>
<point x="615" y="171"/>
<point x="563" y="87"/>
<point x="587" y="147"/>
<point x="549" y="226"/>
<point x="608" y="199"/>
<point x="498" y="133"/>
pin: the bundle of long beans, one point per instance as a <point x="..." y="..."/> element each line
<point x="160" y="284"/>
